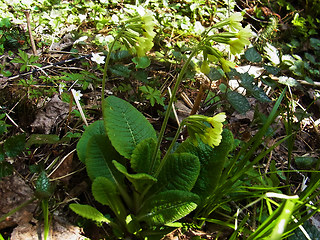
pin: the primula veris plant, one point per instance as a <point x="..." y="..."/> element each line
<point x="119" y="150"/>
<point x="122" y="152"/>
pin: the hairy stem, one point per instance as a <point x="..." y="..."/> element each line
<point x="166" y="117"/>
<point x="107" y="63"/>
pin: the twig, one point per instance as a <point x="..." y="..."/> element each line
<point x="33" y="45"/>
<point x="48" y="66"/>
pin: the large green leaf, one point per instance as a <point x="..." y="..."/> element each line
<point x="180" y="172"/>
<point x="96" y="128"/>
<point x="168" y="206"/>
<point x="125" y="125"/>
<point x="142" y="156"/>
<point x="88" y="212"/>
<point x="140" y="181"/>
<point x="212" y="161"/>
<point x="99" y="156"/>
<point x="105" y="192"/>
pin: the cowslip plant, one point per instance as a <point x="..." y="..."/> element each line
<point x="119" y="150"/>
<point x="122" y="152"/>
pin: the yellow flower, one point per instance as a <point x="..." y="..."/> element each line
<point x="143" y="45"/>
<point x="234" y="21"/>
<point x="226" y="65"/>
<point x="208" y="129"/>
<point x="236" y="46"/>
<point x="148" y="25"/>
<point x="244" y="34"/>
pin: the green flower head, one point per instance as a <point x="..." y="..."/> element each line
<point x="208" y="129"/>
<point x="226" y="65"/>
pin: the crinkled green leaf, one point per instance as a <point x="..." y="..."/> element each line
<point x="141" y="157"/>
<point x="247" y="81"/>
<point x="212" y="161"/>
<point x="88" y="212"/>
<point x="140" y="181"/>
<point x="105" y="192"/>
<point x="96" y="128"/>
<point x="99" y="156"/>
<point x="167" y="207"/>
<point x="125" y="125"/>
<point x="180" y="172"/>
<point x="44" y="187"/>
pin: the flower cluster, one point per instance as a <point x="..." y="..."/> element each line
<point x="208" y="129"/>
<point x="139" y="33"/>
<point x="236" y="40"/>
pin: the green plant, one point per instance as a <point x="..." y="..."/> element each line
<point x="153" y="95"/>
<point x="159" y="192"/>
<point x="9" y="147"/>
<point x="124" y="146"/>
<point x="26" y="61"/>
<point x="43" y="191"/>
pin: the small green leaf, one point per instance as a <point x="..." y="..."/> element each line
<point x="88" y="212"/>
<point x="271" y="69"/>
<point x="42" y="139"/>
<point x="238" y="102"/>
<point x="141" y="62"/>
<point x="14" y="145"/>
<point x="141" y="76"/>
<point x="96" y="128"/>
<point x="259" y="94"/>
<point x="120" y="70"/>
<point x="125" y="125"/>
<point x="214" y="74"/>
<point x="306" y="162"/>
<point x="167" y="207"/>
<point x="119" y="55"/>
<point x="44" y="188"/>
<point x="252" y="55"/>
<point x="6" y="169"/>
<point x="315" y="43"/>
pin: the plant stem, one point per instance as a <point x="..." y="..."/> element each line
<point x="166" y="117"/>
<point x="22" y="205"/>
<point x="164" y="159"/>
<point x="107" y="63"/>
<point x="45" y="210"/>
